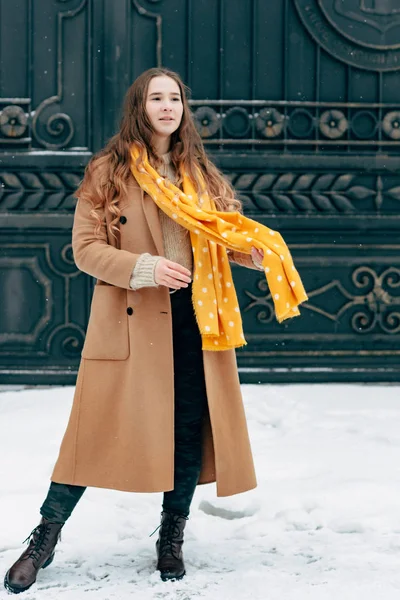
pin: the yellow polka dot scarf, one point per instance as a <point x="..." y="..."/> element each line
<point x="211" y="233"/>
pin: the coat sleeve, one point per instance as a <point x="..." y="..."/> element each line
<point x="94" y="255"/>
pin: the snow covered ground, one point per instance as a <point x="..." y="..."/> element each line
<point x="323" y="524"/>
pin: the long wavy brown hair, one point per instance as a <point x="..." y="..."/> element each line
<point x="108" y="172"/>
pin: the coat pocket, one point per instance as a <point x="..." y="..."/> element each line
<point x="107" y="336"/>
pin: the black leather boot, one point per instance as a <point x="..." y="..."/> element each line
<point x="38" y="555"/>
<point x="169" y="546"/>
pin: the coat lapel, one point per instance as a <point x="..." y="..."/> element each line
<point x="150" y="210"/>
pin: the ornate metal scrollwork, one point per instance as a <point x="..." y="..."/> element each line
<point x="72" y="346"/>
<point x="59" y="126"/>
<point x="67" y="255"/>
<point x="377" y="300"/>
<point x="67" y="340"/>
<point x="375" y="307"/>
<point x="61" y="262"/>
<point x="265" y="303"/>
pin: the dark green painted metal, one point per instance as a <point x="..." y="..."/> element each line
<point x="298" y="104"/>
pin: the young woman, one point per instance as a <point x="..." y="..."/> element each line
<point x="157" y="405"/>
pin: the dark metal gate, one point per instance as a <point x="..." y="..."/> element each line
<point x="299" y="102"/>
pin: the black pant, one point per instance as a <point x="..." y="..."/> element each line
<point x="190" y="409"/>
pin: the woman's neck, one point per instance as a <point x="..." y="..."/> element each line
<point x="161" y="144"/>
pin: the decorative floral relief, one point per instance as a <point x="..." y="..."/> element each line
<point x="375" y="308"/>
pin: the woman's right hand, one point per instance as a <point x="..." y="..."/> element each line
<point x="171" y="274"/>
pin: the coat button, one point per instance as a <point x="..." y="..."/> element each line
<point x="123" y="220"/>
<point x="129" y="310"/>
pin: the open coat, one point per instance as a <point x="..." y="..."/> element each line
<point x="120" y="433"/>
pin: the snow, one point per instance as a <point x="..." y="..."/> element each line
<point x="323" y="524"/>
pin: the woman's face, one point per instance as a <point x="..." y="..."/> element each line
<point x="164" y="106"/>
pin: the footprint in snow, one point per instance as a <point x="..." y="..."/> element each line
<point x="226" y="513"/>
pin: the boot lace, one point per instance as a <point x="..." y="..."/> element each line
<point x="169" y="535"/>
<point x="37" y="540"/>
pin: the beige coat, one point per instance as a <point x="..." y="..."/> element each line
<point x="120" y="433"/>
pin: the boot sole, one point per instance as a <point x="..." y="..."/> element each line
<point x="19" y="590"/>
<point x="169" y="577"/>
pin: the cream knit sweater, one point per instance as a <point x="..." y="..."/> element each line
<point x="177" y="246"/>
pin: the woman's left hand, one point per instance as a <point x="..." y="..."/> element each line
<point x="257" y="256"/>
